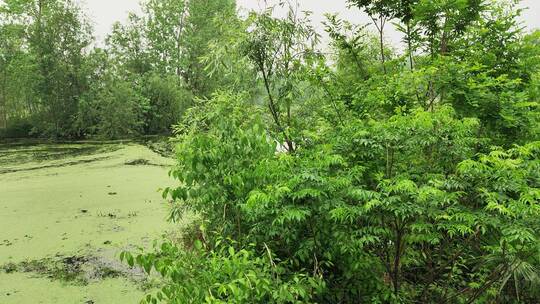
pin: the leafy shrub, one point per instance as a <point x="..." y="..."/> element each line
<point x="121" y="111"/>
<point x="399" y="210"/>
<point x="219" y="160"/>
<point x="17" y="128"/>
<point x="167" y="102"/>
<point x="222" y="275"/>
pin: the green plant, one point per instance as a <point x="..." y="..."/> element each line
<point x="222" y="275"/>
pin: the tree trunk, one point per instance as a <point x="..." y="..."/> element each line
<point x="383" y="59"/>
<point x="409" y="45"/>
<point x="381" y="42"/>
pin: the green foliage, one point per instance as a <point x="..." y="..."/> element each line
<point x="17" y="128"/>
<point x="126" y="44"/>
<point x="168" y="101"/>
<point x="223" y="275"/>
<point x="171" y="38"/>
<point x="277" y="48"/>
<point x="393" y="191"/>
<point x="68" y="87"/>
<point x="44" y="51"/>
<point x="373" y="174"/>
<point x="211" y="152"/>
<point x="128" y="122"/>
<point x="381" y="211"/>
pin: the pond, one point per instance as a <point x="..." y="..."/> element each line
<point x="68" y="210"/>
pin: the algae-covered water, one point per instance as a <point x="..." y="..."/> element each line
<point x="68" y="210"/>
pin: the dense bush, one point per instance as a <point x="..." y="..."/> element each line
<point x="411" y="183"/>
<point x="17" y="128"/>
<point x="128" y="122"/>
<point x="223" y="275"/>
<point x="401" y="210"/>
<point x="167" y="103"/>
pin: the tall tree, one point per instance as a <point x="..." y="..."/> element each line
<point x="278" y="49"/>
<point x="178" y="33"/>
<point x="56" y="36"/>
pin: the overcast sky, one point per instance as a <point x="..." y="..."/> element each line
<point x="105" y="12"/>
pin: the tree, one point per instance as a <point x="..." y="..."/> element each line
<point x="380" y="12"/>
<point x="54" y="36"/>
<point x="127" y="45"/>
<point x="277" y="49"/>
<point x="178" y="33"/>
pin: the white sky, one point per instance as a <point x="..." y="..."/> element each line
<point x="105" y="12"/>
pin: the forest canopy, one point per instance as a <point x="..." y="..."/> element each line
<point x="56" y="83"/>
<point x="358" y="172"/>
